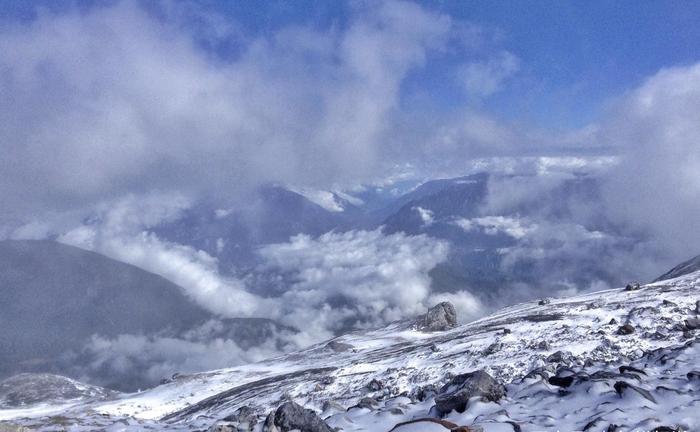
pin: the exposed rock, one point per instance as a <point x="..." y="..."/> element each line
<point x="544" y="301"/>
<point x="693" y="375"/>
<point x="692" y="323"/>
<point x="492" y="349"/>
<point x="375" y="385"/>
<point x="291" y="416"/>
<point x="244" y="419"/>
<point x="339" y="346"/>
<point x="632" y="286"/>
<point x="455" y="395"/>
<point x="624" y="369"/>
<point x="697" y="307"/>
<point x="365" y="402"/>
<point x="422" y="393"/>
<point x="625" y="329"/>
<point x="219" y="428"/>
<point x="621" y="387"/>
<point x="613" y="321"/>
<point x="329" y="406"/>
<point x="559" y="357"/>
<point x="561" y="381"/>
<point x="666" y="302"/>
<point x="417" y="424"/>
<point x="440" y="317"/>
<point x="543" y="345"/>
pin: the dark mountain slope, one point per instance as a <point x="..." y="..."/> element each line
<point x="54" y="297"/>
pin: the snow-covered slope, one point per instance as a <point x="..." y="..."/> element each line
<point x="587" y="343"/>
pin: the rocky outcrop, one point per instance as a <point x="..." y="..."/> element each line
<point x="291" y="417"/>
<point x="455" y="394"/>
<point x="440" y="317"/>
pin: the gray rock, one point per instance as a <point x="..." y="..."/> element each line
<point x="492" y="349"/>
<point x="339" y="346"/>
<point x="621" y="387"/>
<point x="561" y="381"/>
<point x="243" y="418"/>
<point x="625" y="330"/>
<point x="455" y="394"/>
<point x="329" y="406"/>
<point x="544" y="301"/>
<point x="559" y="357"/>
<point x="223" y="428"/>
<point x="440" y="317"/>
<point x="692" y="323"/>
<point x="366" y="402"/>
<point x="291" y="416"/>
<point x="632" y="286"/>
<point x="375" y="385"/>
<point x="693" y="375"/>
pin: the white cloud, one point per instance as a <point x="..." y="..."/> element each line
<point x="360" y="278"/>
<point x="112" y="100"/>
<point x="425" y="215"/>
<point x="657" y="185"/>
<point x="484" y="78"/>
<point x="331" y="283"/>
<point x="492" y="225"/>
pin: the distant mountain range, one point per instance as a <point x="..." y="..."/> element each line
<point x="624" y="359"/>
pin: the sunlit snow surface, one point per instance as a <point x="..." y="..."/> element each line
<point x="405" y="359"/>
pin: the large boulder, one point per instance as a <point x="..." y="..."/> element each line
<point x="455" y="394"/>
<point x="292" y="417"/>
<point x="440" y="317"/>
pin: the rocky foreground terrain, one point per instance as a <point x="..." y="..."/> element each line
<point x="625" y="359"/>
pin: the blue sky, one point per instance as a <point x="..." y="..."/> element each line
<point x="573" y="55"/>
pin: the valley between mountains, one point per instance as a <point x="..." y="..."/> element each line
<point x="624" y="359"/>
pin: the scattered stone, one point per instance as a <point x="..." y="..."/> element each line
<point x="697" y="307"/>
<point x="440" y="317"/>
<point x="559" y="357"/>
<point x="543" y="345"/>
<point x="544" y="301"/>
<point x="561" y="381"/>
<point x="624" y="369"/>
<point x="613" y="321"/>
<point x="625" y="329"/>
<point x="291" y="416"/>
<point x="332" y="406"/>
<point x="621" y="387"/>
<point x="365" y="402"/>
<point x="693" y="375"/>
<point x="632" y="286"/>
<point x="492" y="349"/>
<point x="434" y="348"/>
<point x="692" y="323"/>
<point x="375" y="385"/>
<point x="455" y="394"/>
<point x="423" y="392"/>
<point x="396" y="411"/>
<point x="423" y="423"/>
<point x="668" y="303"/>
